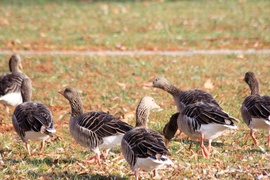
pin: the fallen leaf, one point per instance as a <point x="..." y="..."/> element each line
<point x="208" y="84"/>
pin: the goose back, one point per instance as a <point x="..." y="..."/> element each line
<point x="208" y="118"/>
<point x="143" y="147"/>
<point x="256" y="107"/>
<point x="11" y="83"/>
<point x="35" y="117"/>
<point x="91" y="128"/>
<point x="143" y="143"/>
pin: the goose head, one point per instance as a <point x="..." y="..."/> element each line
<point x="143" y="110"/>
<point x="15" y="63"/>
<point x="72" y="95"/>
<point x="159" y="82"/>
<point x="253" y="83"/>
<point x="170" y="128"/>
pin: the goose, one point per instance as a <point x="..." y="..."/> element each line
<point x="143" y="147"/>
<point x="182" y="98"/>
<point x="201" y="121"/>
<point x="10" y="83"/>
<point x="255" y="109"/>
<point x="95" y="129"/>
<point x="32" y="120"/>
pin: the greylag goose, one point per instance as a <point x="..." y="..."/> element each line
<point x="96" y="129"/>
<point x="10" y="83"/>
<point x="201" y="121"/>
<point x="143" y="147"/>
<point x="255" y="108"/>
<point x="32" y="120"/>
<point x="182" y="98"/>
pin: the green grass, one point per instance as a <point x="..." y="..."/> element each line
<point x="114" y="84"/>
<point x="133" y="25"/>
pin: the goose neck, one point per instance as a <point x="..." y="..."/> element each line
<point x="142" y="114"/>
<point x="76" y="107"/>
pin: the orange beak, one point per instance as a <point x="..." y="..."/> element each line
<point x="61" y="92"/>
<point x="20" y="66"/>
<point x="148" y="84"/>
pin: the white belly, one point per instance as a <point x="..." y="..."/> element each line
<point x="11" y="99"/>
<point x="32" y="135"/>
<point x="111" y="141"/>
<point x="212" y="131"/>
<point x="259" y="123"/>
<point x="150" y="164"/>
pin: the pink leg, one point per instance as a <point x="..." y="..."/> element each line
<point x="136" y="175"/>
<point x="255" y="141"/>
<point x="41" y="146"/>
<point x="253" y="137"/>
<point x="204" y="150"/>
<point x="105" y="154"/>
<point x="156" y="175"/>
<point x="209" y="144"/>
<point x="94" y="159"/>
<point x="7" y="109"/>
<point x="28" y="148"/>
<point x="189" y="148"/>
<point x="180" y="133"/>
<point x="269" y="138"/>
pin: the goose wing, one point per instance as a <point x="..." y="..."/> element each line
<point x="31" y="116"/>
<point x="143" y="143"/>
<point x="196" y="95"/>
<point x="102" y="124"/>
<point x="256" y="106"/>
<point x="10" y="83"/>
<point x="204" y="113"/>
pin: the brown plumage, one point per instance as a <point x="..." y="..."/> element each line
<point x="32" y="120"/>
<point x="11" y="83"/>
<point x="255" y="108"/>
<point x="95" y="129"/>
<point x="143" y="147"/>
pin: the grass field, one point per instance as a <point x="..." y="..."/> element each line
<point x="134" y="25"/>
<point x="114" y="84"/>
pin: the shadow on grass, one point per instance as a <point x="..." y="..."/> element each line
<point x="67" y="175"/>
<point x="47" y="161"/>
<point x="50" y="161"/>
<point x="188" y="141"/>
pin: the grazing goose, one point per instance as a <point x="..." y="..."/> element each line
<point x="143" y="147"/>
<point x="32" y="120"/>
<point x="204" y="121"/>
<point x="170" y="128"/>
<point x="96" y="129"/>
<point x="10" y="83"/>
<point x="255" y="108"/>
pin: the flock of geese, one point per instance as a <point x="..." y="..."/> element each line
<point x="199" y="116"/>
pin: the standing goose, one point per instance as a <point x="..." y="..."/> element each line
<point x="96" y="129"/>
<point x="143" y="147"/>
<point x="202" y="121"/>
<point x="10" y="83"/>
<point x="255" y="108"/>
<point x="32" y="120"/>
<point x="182" y="99"/>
